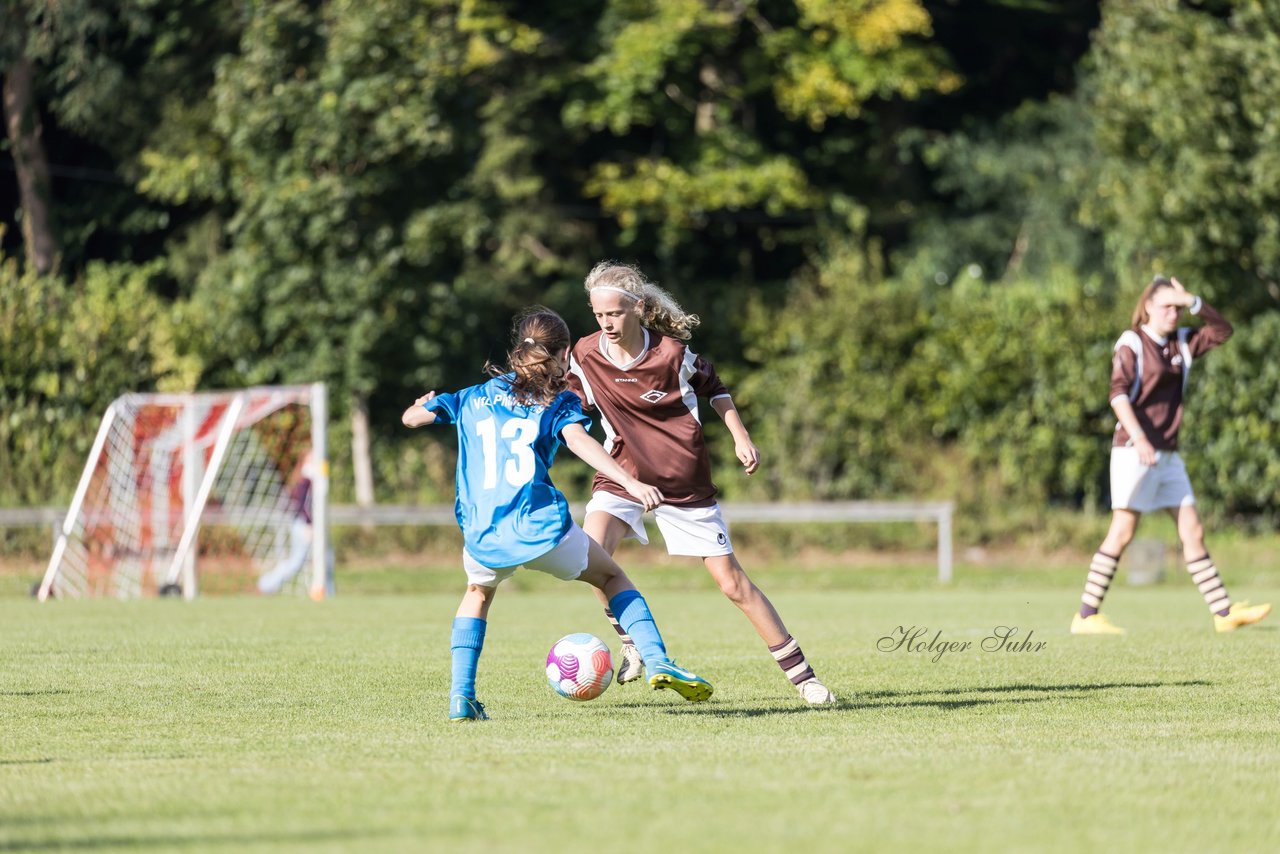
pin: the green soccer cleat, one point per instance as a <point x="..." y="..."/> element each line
<point x="689" y="685"/>
<point x="466" y="709"/>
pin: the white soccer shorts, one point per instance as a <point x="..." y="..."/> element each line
<point x="566" y="561"/>
<point x="694" y="531"/>
<point x="1143" y="489"/>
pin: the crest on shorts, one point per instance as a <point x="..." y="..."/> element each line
<point x="653" y="395"/>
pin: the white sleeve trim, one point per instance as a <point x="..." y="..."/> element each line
<point x="575" y="368"/>
<point x="718" y="396"/>
<point x="684" y="374"/>
<point x="1123" y="397"/>
<point x="1195" y="306"/>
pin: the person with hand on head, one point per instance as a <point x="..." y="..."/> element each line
<point x="511" y="514"/>
<point x="1150" y="370"/>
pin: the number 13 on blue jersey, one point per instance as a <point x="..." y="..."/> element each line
<point x="518" y="434"/>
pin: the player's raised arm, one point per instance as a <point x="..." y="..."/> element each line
<point x="593" y="454"/>
<point x="1216" y="329"/>
<point x="417" y="415"/>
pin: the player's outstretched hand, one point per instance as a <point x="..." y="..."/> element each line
<point x="748" y="455"/>
<point x="649" y="496"/>
<point x="416" y="416"/>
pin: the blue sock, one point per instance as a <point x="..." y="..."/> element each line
<point x="634" y="617"/>
<point x="466" y="643"/>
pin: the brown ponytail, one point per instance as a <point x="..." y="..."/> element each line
<point x="538" y="337"/>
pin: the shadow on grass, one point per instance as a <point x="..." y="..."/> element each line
<point x="864" y="700"/>
<point x="172" y="840"/>
<point x="1019" y="687"/>
<point x="845" y="707"/>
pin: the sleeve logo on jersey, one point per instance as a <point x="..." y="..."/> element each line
<point x="653" y="395"/>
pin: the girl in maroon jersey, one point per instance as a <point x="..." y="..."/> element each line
<point x="644" y="382"/>
<point x="1149" y="375"/>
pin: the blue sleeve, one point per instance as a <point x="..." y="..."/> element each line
<point x="568" y="410"/>
<point x="445" y="406"/>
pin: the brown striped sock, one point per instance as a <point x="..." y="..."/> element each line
<point x="1101" y="570"/>
<point x="617" y="627"/>
<point x="1205" y="575"/>
<point x="792" y="661"/>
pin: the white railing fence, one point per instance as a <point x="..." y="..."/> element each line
<point x="832" y="512"/>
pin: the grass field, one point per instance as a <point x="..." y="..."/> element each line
<point x="283" y="724"/>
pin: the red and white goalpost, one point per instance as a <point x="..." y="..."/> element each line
<point x="190" y="491"/>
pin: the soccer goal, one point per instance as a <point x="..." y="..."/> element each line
<point x="195" y="492"/>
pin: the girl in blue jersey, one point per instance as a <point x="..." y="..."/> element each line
<point x="512" y="515"/>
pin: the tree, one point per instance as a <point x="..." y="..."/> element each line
<point x="375" y="203"/>
<point x="24" y="131"/>
<point x="1008" y="199"/>
<point x="67" y="351"/>
<point x="104" y="78"/>
<point x="1183" y="98"/>
<point x="737" y="124"/>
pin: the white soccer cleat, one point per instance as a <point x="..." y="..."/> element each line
<point x="631" y="667"/>
<point x="816" y="694"/>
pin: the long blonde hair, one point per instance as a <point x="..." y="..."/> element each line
<point x="538" y="337"/>
<point x="1140" y="310"/>
<point x="660" y="311"/>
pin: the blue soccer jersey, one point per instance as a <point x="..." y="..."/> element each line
<point x="509" y="510"/>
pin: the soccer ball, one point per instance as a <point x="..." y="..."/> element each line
<point x="579" y="666"/>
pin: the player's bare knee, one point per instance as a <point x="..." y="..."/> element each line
<point x="485" y="593"/>
<point x="1120" y="534"/>
<point x="737" y="588"/>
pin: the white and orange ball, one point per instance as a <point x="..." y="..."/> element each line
<point x="579" y="666"/>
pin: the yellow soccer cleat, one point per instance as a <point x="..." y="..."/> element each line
<point x="1241" y="614"/>
<point x="1097" y="624"/>
<point x="686" y="683"/>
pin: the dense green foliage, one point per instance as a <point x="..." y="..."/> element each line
<point x="989" y="393"/>
<point x="1184" y="103"/>
<point x="66" y="351"/>
<point x="919" y="229"/>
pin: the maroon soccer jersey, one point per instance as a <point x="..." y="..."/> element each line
<point x="649" y="411"/>
<point x="1151" y="373"/>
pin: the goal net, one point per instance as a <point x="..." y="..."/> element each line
<point x="199" y="492"/>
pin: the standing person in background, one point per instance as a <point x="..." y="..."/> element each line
<point x="512" y="515"/>
<point x="301" y="533"/>
<point x="1149" y="374"/>
<point x="645" y="382"/>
